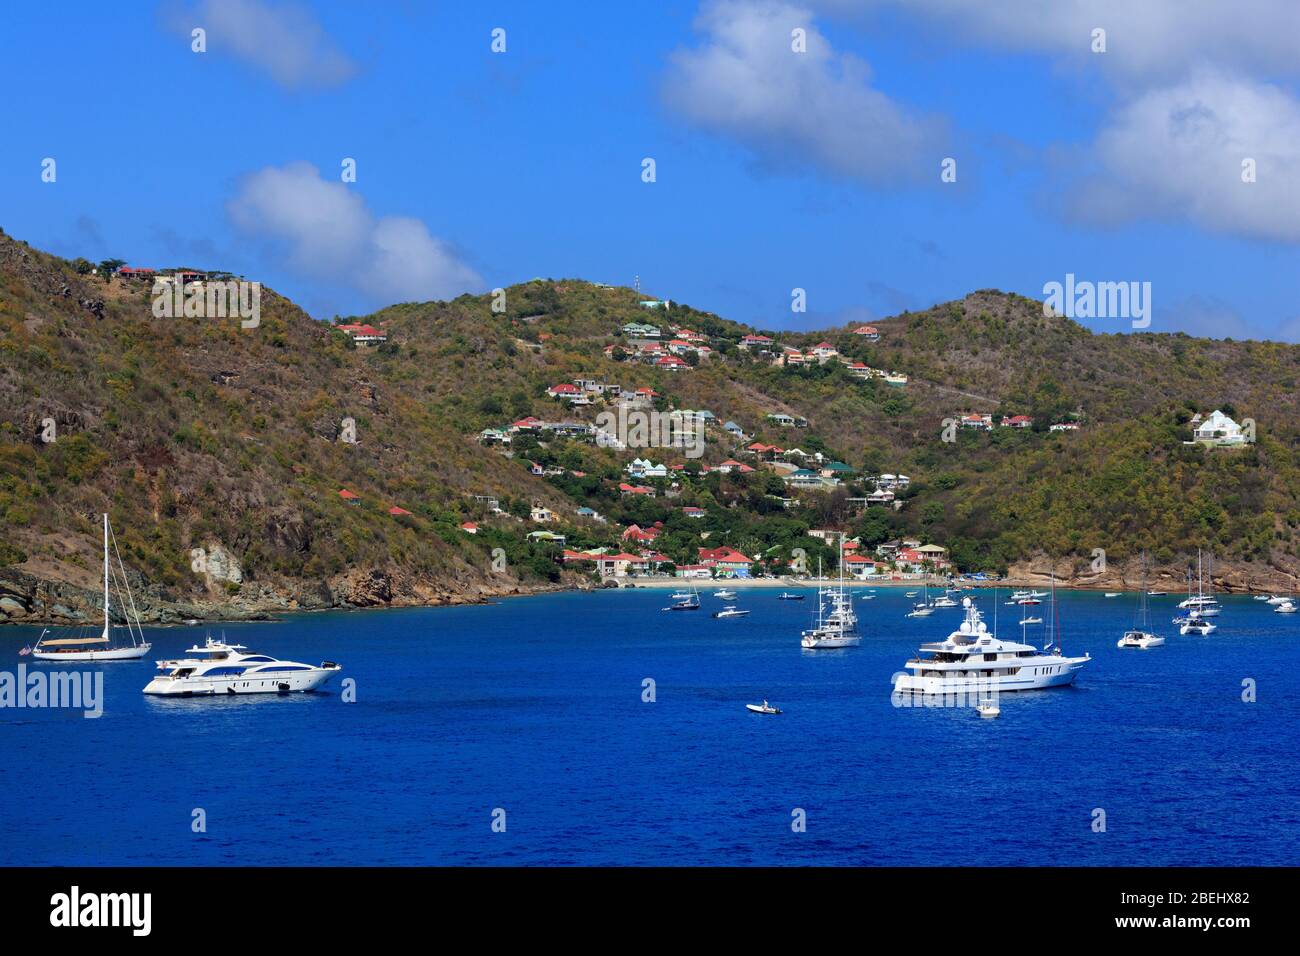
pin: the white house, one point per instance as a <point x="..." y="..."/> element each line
<point x="1218" y="429"/>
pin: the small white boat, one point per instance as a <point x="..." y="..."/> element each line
<point x="192" y="622"/>
<point x="944" y="601"/>
<point x="730" y="611"/>
<point x="680" y="595"/>
<point x="1139" y="639"/>
<point x="1275" y="600"/>
<point x="1157" y="593"/>
<point x="763" y="708"/>
<point x="921" y="610"/>
<point x="1031" y="620"/>
<point x="911" y="593"/>
<point x="1195" y="624"/>
<point x="1112" y="594"/>
<point x="725" y="594"/>
<point x="867" y="597"/>
<point x="988" y="708"/>
<point x="1286" y="607"/>
<point x="1266" y="597"/>
<point x="786" y="596"/>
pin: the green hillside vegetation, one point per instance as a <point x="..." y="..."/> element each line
<point x="194" y="432"/>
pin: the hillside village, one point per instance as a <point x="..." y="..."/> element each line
<point x="445" y="451"/>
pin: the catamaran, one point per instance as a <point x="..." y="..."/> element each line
<point x="1141" y="635"/>
<point x="1200" y="608"/>
<point x="101" y="647"/>
<point x="1202" y="602"/>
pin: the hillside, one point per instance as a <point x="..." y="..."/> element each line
<point x="197" y="434"/>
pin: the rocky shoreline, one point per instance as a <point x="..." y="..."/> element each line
<point x="31" y="600"/>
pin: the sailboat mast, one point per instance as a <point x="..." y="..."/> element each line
<point x="105" y="573"/>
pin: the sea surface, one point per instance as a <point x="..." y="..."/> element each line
<point x="531" y="712"/>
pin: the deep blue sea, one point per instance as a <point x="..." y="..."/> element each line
<point x="534" y="706"/>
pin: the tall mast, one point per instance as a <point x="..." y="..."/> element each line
<point x="106" y="574"/>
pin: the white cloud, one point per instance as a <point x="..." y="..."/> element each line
<point x="1150" y="39"/>
<point x="328" y="232"/>
<point x="284" y="39"/>
<point x="745" y="81"/>
<point x="1177" y="152"/>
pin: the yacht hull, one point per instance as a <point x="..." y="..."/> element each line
<point x="1057" y="673"/>
<point x="199" y="686"/>
<point x="112" y="654"/>
<point x="825" y="643"/>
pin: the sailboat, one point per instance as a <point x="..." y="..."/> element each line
<point x="925" y="608"/>
<point x="1199" y="608"/>
<point x="690" y="602"/>
<point x="102" y="647"/>
<point x="1141" y="636"/>
<point x="839" y="627"/>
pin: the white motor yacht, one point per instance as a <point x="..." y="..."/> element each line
<point x="1286" y="607"/>
<point x="221" y="668"/>
<point x="975" y="660"/>
<point x="725" y="594"/>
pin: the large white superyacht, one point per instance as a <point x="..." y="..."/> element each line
<point x="221" y="668"/>
<point x="975" y="660"/>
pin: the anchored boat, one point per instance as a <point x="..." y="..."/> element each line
<point x="221" y="668"/>
<point x="102" y="647"/>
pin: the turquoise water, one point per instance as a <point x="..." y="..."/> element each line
<point x="534" y="707"/>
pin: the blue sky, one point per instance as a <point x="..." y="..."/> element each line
<point x="774" y="169"/>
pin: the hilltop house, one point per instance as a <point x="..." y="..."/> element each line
<point x="364" y="334"/>
<point x="823" y="352"/>
<point x="1218" y="429"/>
<point x="642" y="535"/>
<point x="1016" y="421"/>
<point x="564" y="390"/>
<point x="732" y="428"/>
<point x="754" y="341"/>
<point x="638" y="330"/>
<point x="645" y="468"/>
<point x="541" y="514"/>
<point x="868" y="332"/>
